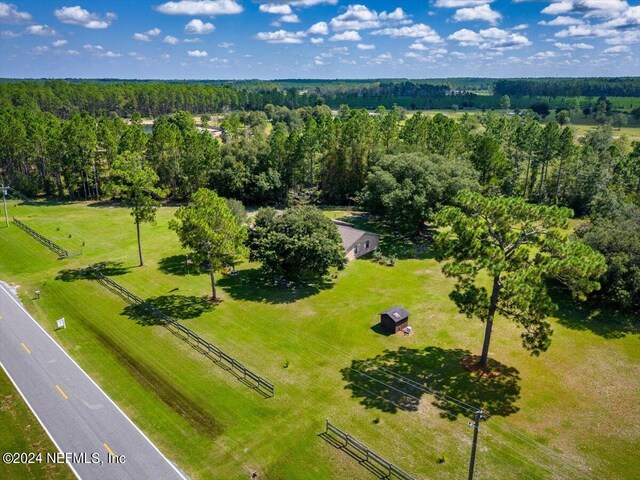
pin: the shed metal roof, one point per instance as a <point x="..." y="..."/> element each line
<point x="396" y="313"/>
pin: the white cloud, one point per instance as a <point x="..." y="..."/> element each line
<point x="154" y="32"/>
<point x="366" y="46"/>
<point x="9" y="13"/>
<point x="572" y="46"/>
<point x="291" y="18"/>
<point x="171" y="40"/>
<point x="618" y="49"/>
<point x="418" y="30"/>
<point x="562" y="21"/>
<point x="281" y="36"/>
<point x="418" y="46"/>
<point x="40" y="30"/>
<point x="93" y="48"/>
<point x="491" y="38"/>
<point x="110" y="54"/>
<point x="40" y="49"/>
<point x="320" y="28"/>
<point x="460" y="3"/>
<point x="522" y="26"/>
<point x="482" y="12"/>
<point x="308" y="3"/>
<point x="275" y="8"/>
<point x="588" y="8"/>
<point x="59" y="43"/>
<point x="80" y="17"/>
<point x="8" y="34"/>
<point x="198" y="27"/>
<point x="359" y="17"/>
<point x="72" y="52"/>
<point x="201" y="7"/>
<point x="349" y="36"/>
<point x="141" y="37"/>
<point x="543" y="55"/>
<point x="197" y="53"/>
<point x="225" y="44"/>
<point x="317" y="40"/>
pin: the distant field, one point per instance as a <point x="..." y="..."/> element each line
<point x="20" y="431"/>
<point x="570" y="413"/>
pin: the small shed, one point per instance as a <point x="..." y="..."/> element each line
<point x="394" y="319"/>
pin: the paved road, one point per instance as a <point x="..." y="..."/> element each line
<point x="73" y="409"/>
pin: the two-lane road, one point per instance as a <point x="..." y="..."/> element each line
<point x="79" y="417"/>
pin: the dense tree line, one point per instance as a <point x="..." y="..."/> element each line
<point x="401" y="168"/>
<point x="569" y="87"/>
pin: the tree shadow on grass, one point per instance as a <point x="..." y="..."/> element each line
<point x="176" y="306"/>
<point x="603" y="321"/>
<point x="393" y="243"/>
<point x="401" y="376"/>
<point x="257" y="286"/>
<point x="177" y="265"/>
<point x="108" y="269"/>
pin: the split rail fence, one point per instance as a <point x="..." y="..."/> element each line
<point x="54" y="247"/>
<point x="383" y="468"/>
<point x="230" y="364"/>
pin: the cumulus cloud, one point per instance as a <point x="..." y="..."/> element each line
<point x="360" y="17"/>
<point x="482" y="12"/>
<point x="490" y="38"/>
<point x="154" y="32"/>
<point x="317" y="40"/>
<point x="417" y="30"/>
<point x="171" y="40"/>
<point x="320" y="28"/>
<point x="588" y="8"/>
<point x="460" y="3"/>
<point x="141" y="37"/>
<point x="366" y="46"/>
<point x="617" y="49"/>
<point x="562" y="21"/>
<point x="291" y="18"/>
<point x="275" y="8"/>
<point x="281" y="36"/>
<point x="197" y="53"/>
<point x="59" y="43"/>
<point x="201" y="7"/>
<point x="40" y="30"/>
<point x="225" y="44"/>
<point x="348" y="36"/>
<point x="198" y="27"/>
<point x="572" y="46"/>
<point x="543" y="55"/>
<point x="80" y="17"/>
<point x="9" y="13"/>
<point x="307" y="3"/>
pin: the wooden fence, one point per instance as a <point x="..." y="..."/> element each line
<point x="253" y="380"/>
<point x="54" y="247"/>
<point x="382" y="468"/>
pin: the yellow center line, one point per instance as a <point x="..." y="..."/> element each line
<point x="64" y="395"/>
<point x="109" y="449"/>
<point x="26" y="349"/>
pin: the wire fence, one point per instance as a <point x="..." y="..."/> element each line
<point x="368" y="458"/>
<point x="212" y="352"/>
<point x="54" y="247"/>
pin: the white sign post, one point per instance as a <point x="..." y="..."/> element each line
<point x="61" y="323"/>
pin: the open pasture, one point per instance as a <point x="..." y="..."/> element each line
<point x="573" y="412"/>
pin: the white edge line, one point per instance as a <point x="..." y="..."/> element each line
<point x="70" y="465"/>
<point x="92" y="381"/>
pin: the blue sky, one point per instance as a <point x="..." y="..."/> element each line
<point x="225" y="39"/>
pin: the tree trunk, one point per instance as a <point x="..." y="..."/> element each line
<point x="214" y="297"/>
<point x="139" y="243"/>
<point x="495" y="293"/>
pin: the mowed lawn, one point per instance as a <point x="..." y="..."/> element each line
<point x="21" y="432"/>
<point x="573" y="412"/>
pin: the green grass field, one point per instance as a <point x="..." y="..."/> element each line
<point x="573" y="412"/>
<point x="21" y="432"/>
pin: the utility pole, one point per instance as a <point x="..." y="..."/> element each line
<point x="476" y="427"/>
<point x="4" y="201"/>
